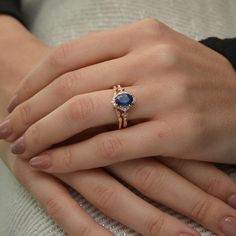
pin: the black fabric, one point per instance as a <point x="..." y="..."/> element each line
<point x="11" y="7"/>
<point x="226" y="47"/>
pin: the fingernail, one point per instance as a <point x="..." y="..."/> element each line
<point x="18" y="147"/>
<point x="232" y="201"/>
<point x="40" y="162"/>
<point x="228" y="226"/>
<point x="12" y="104"/>
<point x="5" y="129"/>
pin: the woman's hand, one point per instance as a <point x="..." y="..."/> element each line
<point x="185" y="96"/>
<point x="118" y="202"/>
<point x="202" y="200"/>
<point x="202" y="193"/>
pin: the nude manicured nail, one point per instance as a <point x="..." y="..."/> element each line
<point x="40" y="162"/>
<point x="12" y="104"/>
<point x="232" y="201"/>
<point x="5" y="129"/>
<point x="228" y="226"/>
<point x="19" y="146"/>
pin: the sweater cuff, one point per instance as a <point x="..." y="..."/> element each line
<point x="12" y="8"/>
<point x="226" y="47"/>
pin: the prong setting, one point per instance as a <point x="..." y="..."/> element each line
<point x="122" y="101"/>
<point x="123" y="108"/>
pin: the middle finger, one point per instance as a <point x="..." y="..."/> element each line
<point x="85" y="80"/>
<point x="76" y="115"/>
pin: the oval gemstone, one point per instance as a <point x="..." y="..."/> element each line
<point x="124" y="100"/>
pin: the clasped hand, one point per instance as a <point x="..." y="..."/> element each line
<point x="185" y="109"/>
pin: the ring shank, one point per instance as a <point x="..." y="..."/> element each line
<point x="121" y="115"/>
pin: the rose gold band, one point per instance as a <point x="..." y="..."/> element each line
<point x="121" y="115"/>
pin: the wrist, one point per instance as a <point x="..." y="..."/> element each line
<point x="20" y="51"/>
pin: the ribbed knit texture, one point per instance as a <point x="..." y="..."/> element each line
<point x="56" y="21"/>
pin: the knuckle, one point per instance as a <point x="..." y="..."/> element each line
<point x="34" y="133"/>
<point x="152" y="24"/>
<point x="59" y="55"/>
<point x="152" y="28"/>
<point x="81" y="108"/>
<point x="25" y="113"/>
<point x="213" y="185"/>
<point x="167" y="55"/>
<point x="106" y="197"/>
<point x="155" y="225"/>
<point x="109" y="146"/>
<point x="64" y="86"/>
<point x="149" y="178"/>
<point x="55" y="208"/>
<point x="26" y="89"/>
<point x="201" y="209"/>
<point x="67" y="158"/>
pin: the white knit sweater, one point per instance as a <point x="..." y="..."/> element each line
<point x="56" y="21"/>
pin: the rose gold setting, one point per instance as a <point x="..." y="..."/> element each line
<point x="121" y="112"/>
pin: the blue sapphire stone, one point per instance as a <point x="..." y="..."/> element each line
<point x="124" y="100"/>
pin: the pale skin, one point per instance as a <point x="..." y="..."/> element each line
<point x="185" y="96"/>
<point x="201" y="190"/>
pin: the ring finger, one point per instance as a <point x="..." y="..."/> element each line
<point x="79" y="113"/>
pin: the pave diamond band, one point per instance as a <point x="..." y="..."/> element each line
<point x="122" y="101"/>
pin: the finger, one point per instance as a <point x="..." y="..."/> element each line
<point x="116" y="201"/>
<point x="91" y="49"/>
<point x="85" y="80"/>
<point x="102" y="150"/>
<point x="79" y="113"/>
<point x="206" y="176"/>
<point x="53" y="197"/>
<point x="163" y="185"/>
